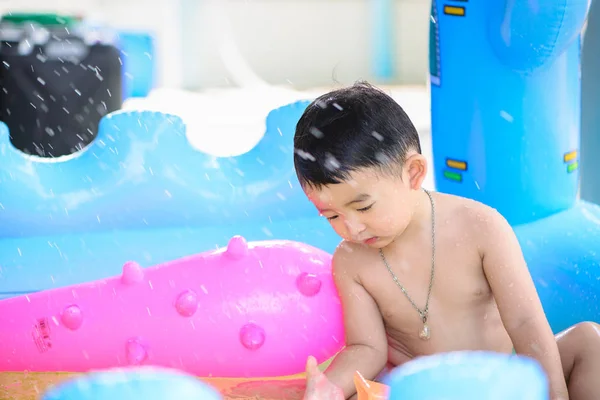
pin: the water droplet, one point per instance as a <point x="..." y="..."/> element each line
<point x="377" y="136"/>
<point x="506" y="116"/>
<point x="382" y="158"/>
<point x="304" y="155"/>
<point x="321" y="103"/>
<point x="316" y="133"/>
<point x="331" y="162"/>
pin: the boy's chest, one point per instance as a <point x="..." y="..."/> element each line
<point x="459" y="285"/>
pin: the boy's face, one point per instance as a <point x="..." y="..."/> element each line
<point x="371" y="207"/>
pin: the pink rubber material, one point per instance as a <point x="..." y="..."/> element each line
<point x="251" y="310"/>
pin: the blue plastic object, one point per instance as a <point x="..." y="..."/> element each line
<point x="147" y="383"/>
<point x="563" y="254"/>
<point x="139" y="65"/>
<point x="383" y="38"/>
<point x="505" y="128"/>
<point x="505" y="93"/>
<point x="141" y="173"/>
<point x="469" y="376"/>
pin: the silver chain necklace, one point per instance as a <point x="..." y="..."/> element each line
<point x="424" y="333"/>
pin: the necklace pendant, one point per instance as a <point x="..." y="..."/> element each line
<point x="425" y="333"/>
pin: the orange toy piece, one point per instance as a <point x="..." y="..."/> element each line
<point x="369" y="390"/>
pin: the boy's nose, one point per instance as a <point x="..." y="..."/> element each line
<point x="354" y="227"/>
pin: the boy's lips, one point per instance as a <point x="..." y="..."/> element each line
<point x="370" y="240"/>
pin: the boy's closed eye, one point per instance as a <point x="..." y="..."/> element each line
<point x="367" y="208"/>
<point x="362" y="210"/>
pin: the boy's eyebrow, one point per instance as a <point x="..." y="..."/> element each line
<point x="361" y="197"/>
<point x="358" y="199"/>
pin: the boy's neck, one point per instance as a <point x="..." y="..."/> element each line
<point x="420" y="220"/>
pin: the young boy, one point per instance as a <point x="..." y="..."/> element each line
<point x="419" y="272"/>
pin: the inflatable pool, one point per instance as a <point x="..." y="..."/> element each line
<point x="452" y="376"/>
<point x="252" y="309"/>
<point x="143" y="192"/>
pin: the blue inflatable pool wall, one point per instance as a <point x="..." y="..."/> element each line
<point x="505" y="93"/>
<point x="469" y="376"/>
<point x="140" y="192"/>
<point x="451" y="376"/>
<point x="148" y="383"/>
<point x="141" y="173"/>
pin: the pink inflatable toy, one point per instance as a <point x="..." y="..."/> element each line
<point x="253" y="309"/>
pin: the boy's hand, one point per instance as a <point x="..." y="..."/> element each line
<point x="318" y="387"/>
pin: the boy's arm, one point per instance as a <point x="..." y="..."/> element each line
<point x="517" y="299"/>
<point x="366" y="341"/>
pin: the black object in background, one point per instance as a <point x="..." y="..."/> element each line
<point x="55" y="87"/>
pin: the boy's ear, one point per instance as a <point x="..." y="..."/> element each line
<point x="416" y="168"/>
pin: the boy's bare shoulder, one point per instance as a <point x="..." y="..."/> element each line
<point x="481" y="221"/>
<point x="349" y="258"/>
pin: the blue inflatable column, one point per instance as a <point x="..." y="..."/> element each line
<point x="148" y="383"/>
<point x="505" y="90"/>
<point x="505" y="93"/>
<point x="469" y="376"/>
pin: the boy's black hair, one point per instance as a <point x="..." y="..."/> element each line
<point x="348" y="129"/>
